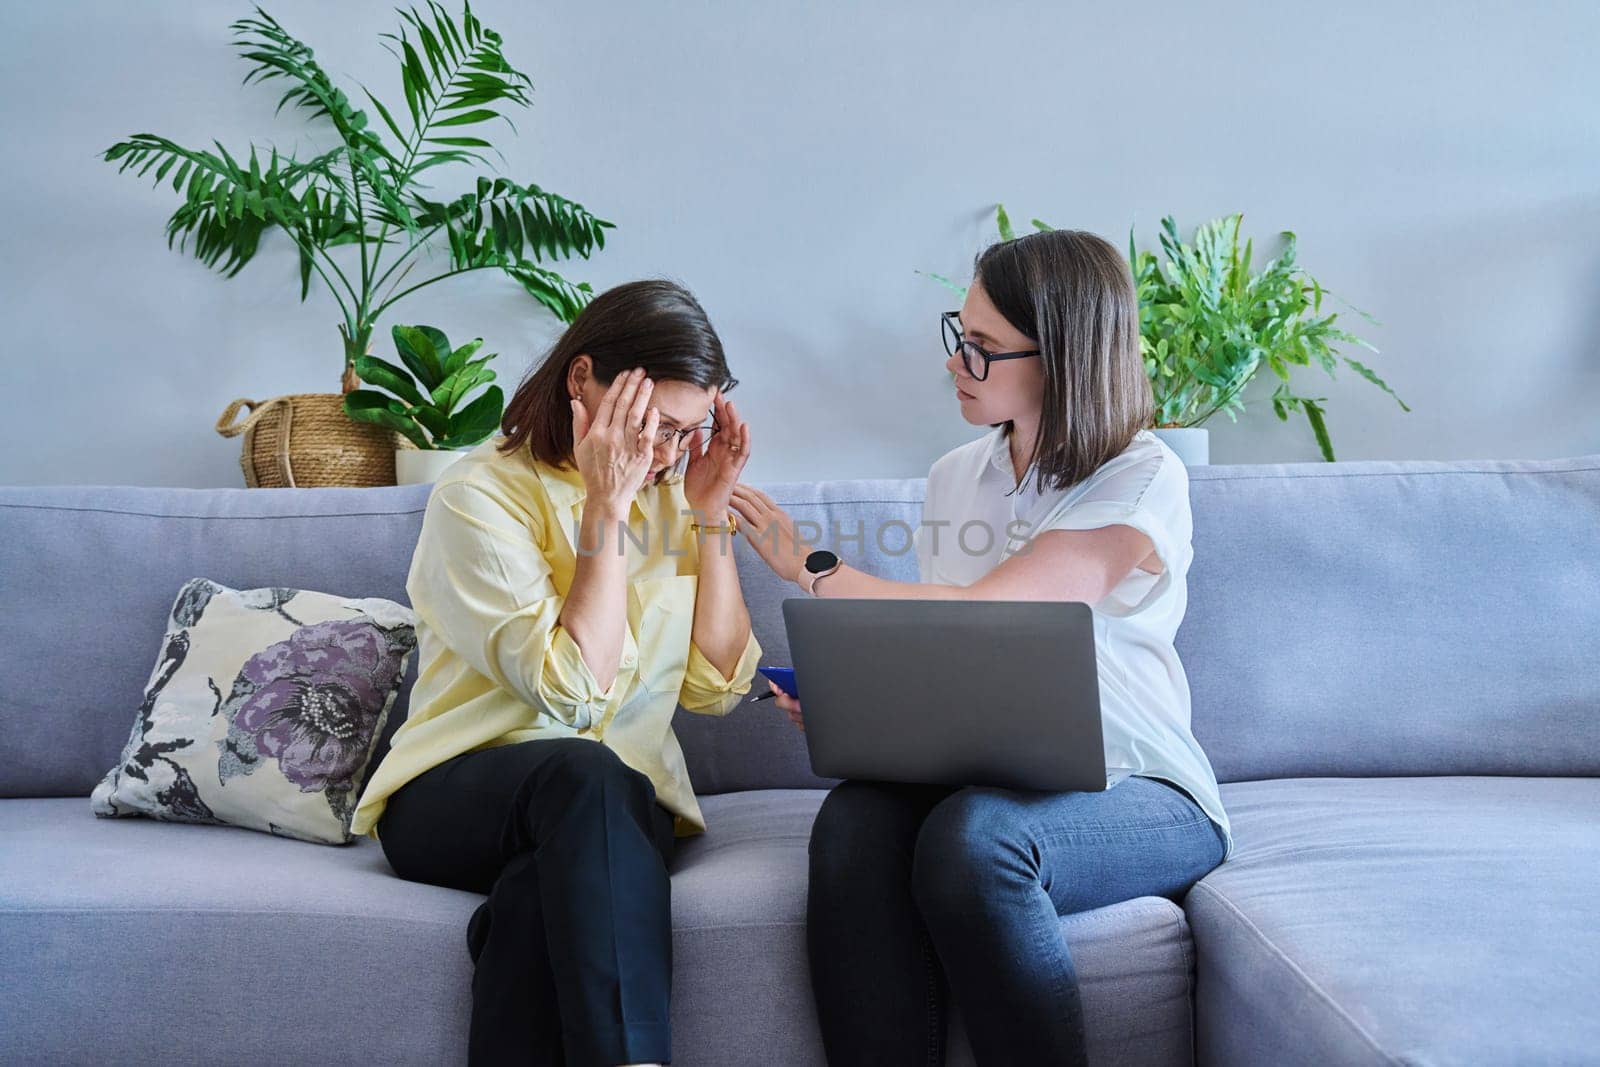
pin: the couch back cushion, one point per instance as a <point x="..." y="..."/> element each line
<point x="1396" y="618"/>
<point x="1368" y="618"/>
<point x="87" y="577"/>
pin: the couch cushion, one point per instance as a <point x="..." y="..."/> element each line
<point x="89" y="573"/>
<point x="1370" y="618"/>
<point x="1394" y="920"/>
<point x="118" y="935"/>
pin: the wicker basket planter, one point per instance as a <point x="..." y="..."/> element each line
<point x="306" y="439"/>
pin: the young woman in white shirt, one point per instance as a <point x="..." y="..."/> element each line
<point x="918" y="891"/>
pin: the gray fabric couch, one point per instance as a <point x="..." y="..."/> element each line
<point x="1394" y="670"/>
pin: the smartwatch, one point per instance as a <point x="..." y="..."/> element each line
<point x="818" y="565"/>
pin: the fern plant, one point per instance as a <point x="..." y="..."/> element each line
<point x="368" y="189"/>
<point x="425" y="399"/>
<point x="1207" y="325"/>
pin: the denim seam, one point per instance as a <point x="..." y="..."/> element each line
<point x="1295" y="969"/>
<point x="935" y="1012"/>
<point x="1108" y="832"/>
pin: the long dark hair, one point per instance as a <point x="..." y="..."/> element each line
<point x="654" y="324"/>
<point x="1072" y="294"/>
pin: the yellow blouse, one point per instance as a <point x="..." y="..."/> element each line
<point x="491" y="571"/>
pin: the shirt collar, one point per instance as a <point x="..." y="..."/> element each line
<point x="1000" y="453"/>
<point x="1000" y="460"/>
<point x="1026" y="501"/>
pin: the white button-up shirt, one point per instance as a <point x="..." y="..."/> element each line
<point x="972" y="521"/>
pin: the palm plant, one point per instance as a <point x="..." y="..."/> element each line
<point x="367" y="190"/>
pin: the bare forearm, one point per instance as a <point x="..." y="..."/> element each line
<point x="596" y="610"/>
<point x="849" y="582"/>
<point x="721" y="621"/>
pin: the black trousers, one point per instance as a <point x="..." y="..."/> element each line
<point x="572" y="950"/>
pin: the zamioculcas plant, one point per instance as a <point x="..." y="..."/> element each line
<point x="427" y="403"/>
<point x="1207" y="325"/>
<point x="367" y="190"/>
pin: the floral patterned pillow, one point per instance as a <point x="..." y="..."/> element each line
<point x="262" y="711"/>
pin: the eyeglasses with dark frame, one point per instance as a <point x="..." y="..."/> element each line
<point x="974" y="356"/>
<point x="666" y="433"/>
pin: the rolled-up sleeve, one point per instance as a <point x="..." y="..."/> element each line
<point x="706" y="692"/>
<point x="481" y="580"/>
<point x="1152" y="497"/>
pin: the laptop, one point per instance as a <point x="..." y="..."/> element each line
<point x="952" y="692"/>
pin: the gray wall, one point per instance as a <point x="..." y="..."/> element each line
<point x="794" y="164"/>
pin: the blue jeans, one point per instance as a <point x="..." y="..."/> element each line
<point x="919" y="892"/>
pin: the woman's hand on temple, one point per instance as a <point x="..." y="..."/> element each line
<point x="771" y="531"/>
<point x="710" y="476"/>
<point x="614" y="446"/>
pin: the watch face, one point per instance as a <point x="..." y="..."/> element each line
<point x="820" y="560"/>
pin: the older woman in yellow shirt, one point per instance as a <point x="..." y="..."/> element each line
<point x="571" y="590"/>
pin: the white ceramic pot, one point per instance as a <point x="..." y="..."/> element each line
<point x="1191" y="443"/>
<point x="413" y="465"/>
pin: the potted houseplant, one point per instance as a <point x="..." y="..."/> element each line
<point x="1207" y="325"/>
<point x="367" y="191"/>
<point x="426" y="400"/>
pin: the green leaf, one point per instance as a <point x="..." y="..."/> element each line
<point x="947" y="283"/>
<point x="1003" y="221"/>
<point x="388" y="119"/>
<point x="467" y="118"/>
<point x="562" y="297"/>
<point x="413" y="95"/>
<point x="440" y="343"/>
<point x="436" y="422"/>
<point x="385" y="375"/>
<point x="458" y="359"/>
<point x="1318" y="427"/>
<point x="364" y="405"/>
<point x="477" y="420"/>
<point x="419" y="353"/>
<point x="1367" y="373"/>
<point x="502" y="237"/>
<point x="455" y="387"/>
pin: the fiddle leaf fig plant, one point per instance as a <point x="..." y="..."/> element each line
<point x="427" y="393"/>
<point x="1208" y="325"/>
<point x="367" y="189"/>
